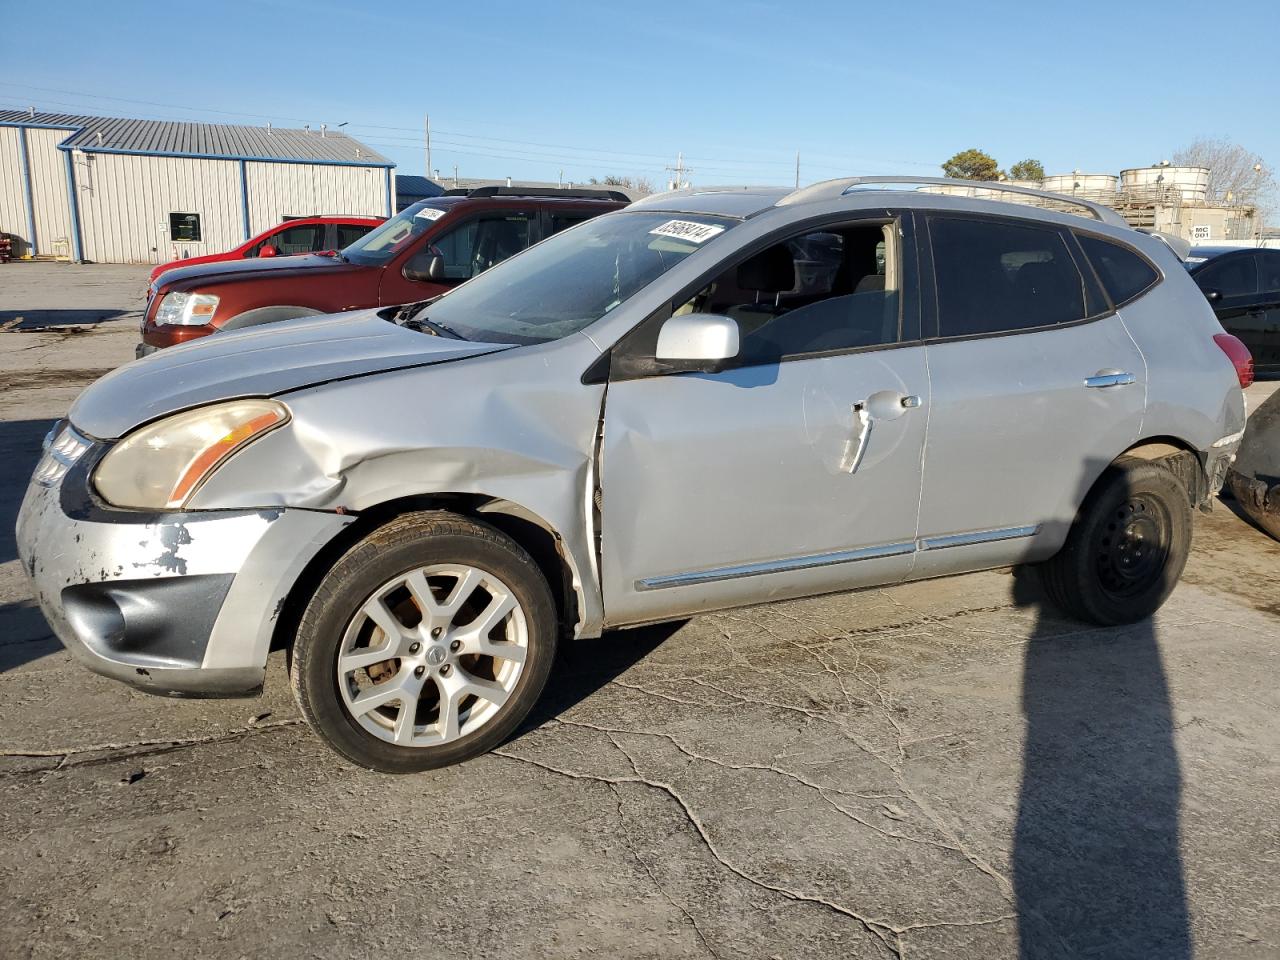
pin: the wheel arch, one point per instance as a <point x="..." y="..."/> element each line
<point x="1182" y="458"/>
<point x="535" y="535"/>
<point x="271" y="314"/>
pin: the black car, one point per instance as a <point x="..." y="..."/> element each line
<point x="1243" y="285"/>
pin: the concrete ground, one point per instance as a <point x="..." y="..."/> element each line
<point x="945" y="769"/>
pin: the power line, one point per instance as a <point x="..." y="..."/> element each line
<point x="597" y="154"/>
<point x="579" y="157"/>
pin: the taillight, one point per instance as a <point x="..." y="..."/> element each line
<point x="1239" y="356"/>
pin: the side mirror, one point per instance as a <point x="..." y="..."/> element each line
<point x="698" y="336"/>
<point x="268" y="251"/>
<point x="425" y="267"/>
<point x="1213" y="296"/>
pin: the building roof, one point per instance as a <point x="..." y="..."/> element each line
<point x="210" y="140"/>
<point x="415" y="186"/>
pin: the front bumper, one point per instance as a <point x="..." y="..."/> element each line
<point x="182" y="604"/>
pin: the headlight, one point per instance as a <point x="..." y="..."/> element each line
<point x="187" y="309"/>
<point x="162" y="465"/>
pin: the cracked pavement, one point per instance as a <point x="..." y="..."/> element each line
<point x="943" y="769"/>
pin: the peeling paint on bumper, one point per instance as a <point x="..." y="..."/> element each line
<point x="180" y="604"/>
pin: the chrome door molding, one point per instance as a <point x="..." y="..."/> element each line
<point x="775" y="566"/>
<point x="788" y="565"/>
<point x="978" y="536"/>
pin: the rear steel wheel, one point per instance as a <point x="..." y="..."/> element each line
<point x="1126" y="550"/>
<point x="1133" y="549"/>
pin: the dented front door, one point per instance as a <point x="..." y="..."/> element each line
<point x="760" y="483"/>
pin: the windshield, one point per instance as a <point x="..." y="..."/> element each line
<point x="573" y="279"/>
<point x="382" y="243"/>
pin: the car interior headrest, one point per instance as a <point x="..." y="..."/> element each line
<point x="769" y="271"/>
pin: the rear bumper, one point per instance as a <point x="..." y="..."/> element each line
<point x="180" y="604"/>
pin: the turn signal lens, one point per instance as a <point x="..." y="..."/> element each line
<point x="161" y="465"/>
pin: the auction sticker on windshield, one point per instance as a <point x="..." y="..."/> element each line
<point x="430" y="213"/>
<point x="687" y="230"/>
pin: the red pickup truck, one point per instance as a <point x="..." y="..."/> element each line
<point x="294" y="236"/>
<point x="420" y="253"/>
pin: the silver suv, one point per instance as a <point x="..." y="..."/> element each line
<point x="705" y="400"/>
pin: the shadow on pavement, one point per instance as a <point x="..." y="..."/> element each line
<point x="20" y="442"/>
<point x="584" y="666"/>
<point x="34" y="320"/>
<point x="1096" y="863"/>
<point x="24" y="635"/>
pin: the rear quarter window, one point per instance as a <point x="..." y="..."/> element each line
<point x="1123" y="273"/>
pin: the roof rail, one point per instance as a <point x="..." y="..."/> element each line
<point x="657" y="199"/>
<point x="831" y="189"/>
<point x="575" y="192"/>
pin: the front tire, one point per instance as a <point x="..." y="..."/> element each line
<point x="426" y="644"/>
<point x="1127" y="548"/>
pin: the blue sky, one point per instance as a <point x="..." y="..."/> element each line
<point x="528" y="90"/>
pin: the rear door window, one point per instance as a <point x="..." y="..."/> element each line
<point x="996" y="276"/>
<point x="1123" y="273"/>
<point x="1232" y="276"/>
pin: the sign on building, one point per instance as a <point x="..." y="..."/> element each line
<point x="1201" y="232"/>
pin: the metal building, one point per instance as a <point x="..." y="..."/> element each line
<point x="109" y="190"/>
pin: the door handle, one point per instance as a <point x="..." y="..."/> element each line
<point x="856" y="445"/>
<point x="1110" y="378"/>
<point x="883" y="405"/>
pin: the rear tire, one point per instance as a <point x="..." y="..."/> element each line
<point x="1127" y="548"/>
<point x="426" y="644"/>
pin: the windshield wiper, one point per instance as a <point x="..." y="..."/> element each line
<point x="426" y="325"/>
<point x="405" y="316"/>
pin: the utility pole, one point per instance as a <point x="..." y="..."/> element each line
<point x="797" y="169"/>
<point x="426" y="119"/>
<point x="680" y="170"/>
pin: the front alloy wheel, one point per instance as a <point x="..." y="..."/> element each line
<point x="427" y="643"/>
<point x="433" y="655"/>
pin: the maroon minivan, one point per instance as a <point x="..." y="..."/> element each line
<point x="420" y="253"/>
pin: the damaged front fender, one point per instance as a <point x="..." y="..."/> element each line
<point x="516" y="426"/>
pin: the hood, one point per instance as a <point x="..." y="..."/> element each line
<point x="182" y="264"/>
<point x="258" y="362"/>
<point x="253" y="267"/>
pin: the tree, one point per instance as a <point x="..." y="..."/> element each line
<point x="972" y="165"/>
<point x="642" y="186"/>
<point x="1027" y="170"/>
<point x="1235" y="174"/>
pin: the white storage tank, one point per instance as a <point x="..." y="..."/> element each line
<point x="1082" y="184"/>
<point x="1191" y="183"/>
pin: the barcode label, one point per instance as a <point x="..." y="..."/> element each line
<point x="687" y="230"/>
